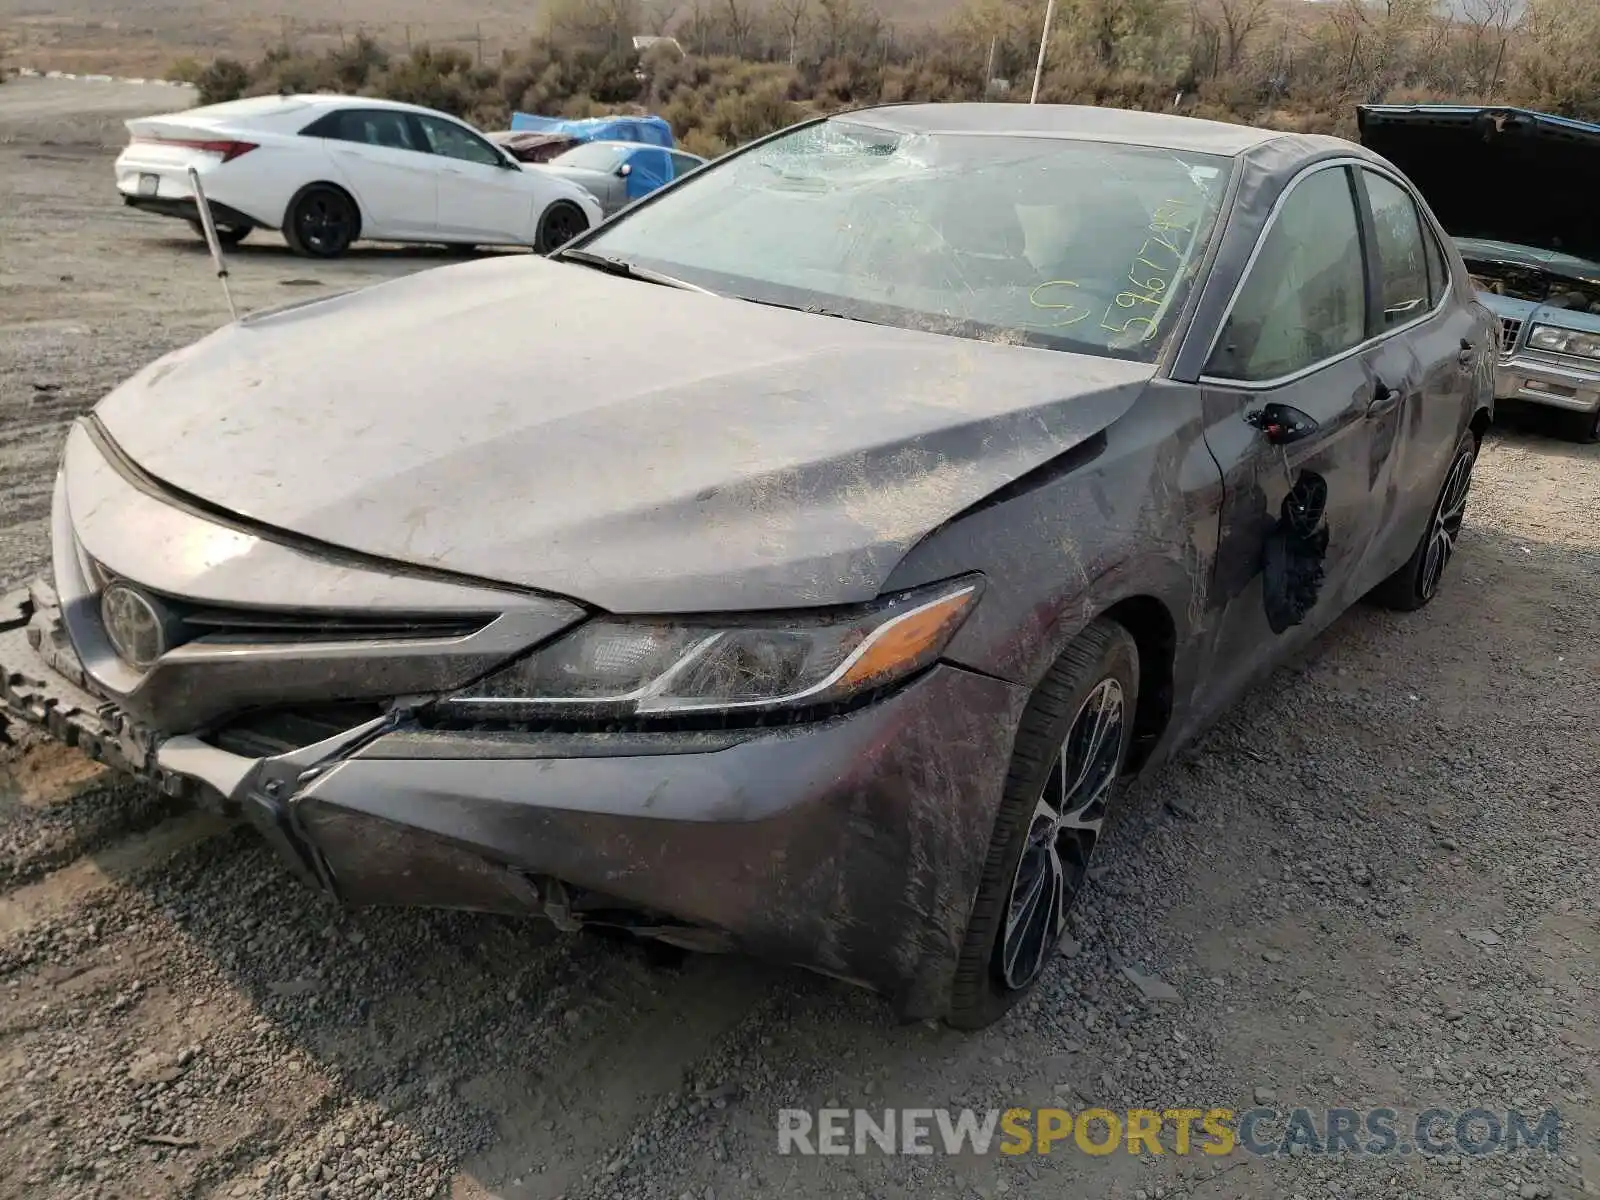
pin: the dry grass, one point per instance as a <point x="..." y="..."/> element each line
<point x="1283" y="63"/>
<point x="113" y="37"/>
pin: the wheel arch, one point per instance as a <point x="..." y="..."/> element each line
<point x="1481" y="420"/>
<point x="1150" y="623"/>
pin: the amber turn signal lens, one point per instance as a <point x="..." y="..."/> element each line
<point x="896" y="647"/>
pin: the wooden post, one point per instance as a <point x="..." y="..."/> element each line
<point x="1044" y="43"/>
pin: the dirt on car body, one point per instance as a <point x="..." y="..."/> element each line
<point x="1372" y="886"/>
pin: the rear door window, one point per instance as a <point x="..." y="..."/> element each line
<point x="1402" y="252"/>
<point x="369" y="126"/>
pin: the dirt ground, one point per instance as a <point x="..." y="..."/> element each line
<point x="1374" y="885"/>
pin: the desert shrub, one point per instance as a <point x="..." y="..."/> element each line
<point x="355" y="66"/>
<point x="445" y="79"/>
<point x="222" y="79"/>
<point x="185" y="70"/>
<point x="752" y="68"/>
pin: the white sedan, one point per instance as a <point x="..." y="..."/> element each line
<point x="328" y="170"/>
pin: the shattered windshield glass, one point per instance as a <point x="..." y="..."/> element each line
<point x="1078" y="245"/>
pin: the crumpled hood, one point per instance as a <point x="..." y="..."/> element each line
<point x="1493" y="172"/>
<point x="633" y="446"/>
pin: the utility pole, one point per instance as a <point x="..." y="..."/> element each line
<point x="1044" y="43"/>
<point x="988" y="70"/>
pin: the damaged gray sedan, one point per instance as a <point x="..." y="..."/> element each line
<point x="885" y="493"/>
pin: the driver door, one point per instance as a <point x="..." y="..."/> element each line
<point x="1288" y="395"/>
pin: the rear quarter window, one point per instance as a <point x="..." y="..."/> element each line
<point x="325" y="126"/>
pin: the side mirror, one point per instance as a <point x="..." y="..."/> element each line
<point x="1281" y="424"/>
<point x="624" y="170"/>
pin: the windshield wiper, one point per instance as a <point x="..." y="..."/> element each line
<point x="627" y="270"/>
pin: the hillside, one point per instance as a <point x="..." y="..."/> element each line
<point x="144" y="38"/>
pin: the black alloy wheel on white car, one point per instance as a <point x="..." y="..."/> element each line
<point x="322" y="221"/>
<point x="562" y="222"/>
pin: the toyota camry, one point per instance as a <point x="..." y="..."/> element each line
<point x="889" y="490"/>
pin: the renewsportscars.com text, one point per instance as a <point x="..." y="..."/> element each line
<point x="1264" y="1132"/>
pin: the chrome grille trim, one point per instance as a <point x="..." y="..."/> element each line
<point x="238" y="625"/>
<point x="1510" y="331"/>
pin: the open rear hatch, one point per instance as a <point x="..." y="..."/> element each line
<point x="1502" y="174"/>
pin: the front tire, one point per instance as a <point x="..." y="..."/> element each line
<point x="322" y="222"/>
<point x="1070" y="749"/>
<point x="1417" y="582"/>
<point x="1583" y="428"/>
<point x="561" y="222"/>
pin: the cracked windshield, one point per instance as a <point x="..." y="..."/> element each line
<point x="1070" y="245"/>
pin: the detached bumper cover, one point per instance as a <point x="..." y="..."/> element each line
<point x="44" y="685"/>
<point x="853" y="846"/>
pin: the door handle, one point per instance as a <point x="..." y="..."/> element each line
<point x="1469" y="353"/>
<point x="1384" y="399"/>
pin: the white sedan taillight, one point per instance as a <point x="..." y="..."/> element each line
<point x="228" y="149"/>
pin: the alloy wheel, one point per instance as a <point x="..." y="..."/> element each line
<point x="562" y="225"/>
<point x="1447" y="520"/>
<point x="1061" y="837"/>
<point x="324" y="221"/>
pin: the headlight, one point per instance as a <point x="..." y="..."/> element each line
<point x="1564" y="341"/>
<point x="615" y="667"/>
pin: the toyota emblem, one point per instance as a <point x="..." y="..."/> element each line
<point x="134" y="625"/>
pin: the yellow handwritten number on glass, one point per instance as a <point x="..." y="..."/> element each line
<point x="1082" y="314"/>
<point x="1124" y="328"/>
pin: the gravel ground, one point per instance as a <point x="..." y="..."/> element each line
<point x="1373" y="885"/>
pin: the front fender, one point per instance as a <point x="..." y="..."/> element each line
<point x="1133" y="523"/>
<point x="564" y="189"/>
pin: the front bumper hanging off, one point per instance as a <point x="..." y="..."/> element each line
<point x="44" y="684"/>
<point x="852" y="845"/>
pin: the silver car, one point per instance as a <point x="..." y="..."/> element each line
<point x="618" y="173"/>
<point x="1534" y="258"/>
